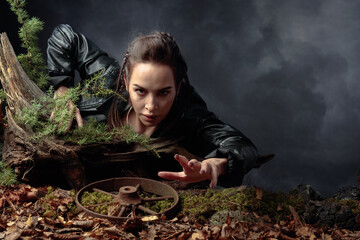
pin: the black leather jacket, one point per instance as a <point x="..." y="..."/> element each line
<point x="204" y="134"/>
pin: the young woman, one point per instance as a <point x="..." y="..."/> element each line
<point x="161" y="103"/>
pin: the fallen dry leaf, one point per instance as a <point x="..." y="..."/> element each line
<point x="326" y="237"/>
<point x="259" y="193"/>
<point x="197" y="236"/>
<point x="149" y="218"/>
<point x="296" y="216"/>
<point x="305" y="232"/>
<point x="29" y="222"/>
<point x="84" y="224"/>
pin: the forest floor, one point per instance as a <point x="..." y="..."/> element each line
<point x="247" y="213"/>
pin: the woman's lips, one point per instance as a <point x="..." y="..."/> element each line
<point x="149" y="118"/>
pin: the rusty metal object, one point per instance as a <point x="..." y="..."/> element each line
<point x="125" y="195"/>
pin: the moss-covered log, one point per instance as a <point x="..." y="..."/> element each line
<point x="18" y="150"/>
<point x="35" y="158"/>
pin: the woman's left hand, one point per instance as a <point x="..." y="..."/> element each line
<point x="196" y="171"/>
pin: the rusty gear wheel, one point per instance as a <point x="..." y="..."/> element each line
<point x="126" y="196"/>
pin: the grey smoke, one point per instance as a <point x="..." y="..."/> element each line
<point x="283" y="72"/>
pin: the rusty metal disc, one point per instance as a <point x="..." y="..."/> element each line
<point x="125" y="193"/>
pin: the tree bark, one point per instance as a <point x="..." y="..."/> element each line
<point x="18" y="150"/>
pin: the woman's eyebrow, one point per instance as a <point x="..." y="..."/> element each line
<point x="166" y="88"/>
<point x="162" y="89"/>
<point x="136" y="85"/>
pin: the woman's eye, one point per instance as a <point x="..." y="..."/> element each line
<point x="140" y="91"/>
<point x="164" y="93"/>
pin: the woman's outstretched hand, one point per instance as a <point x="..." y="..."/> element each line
<point x="61" y="91"/>
<point x="196" y="171"/>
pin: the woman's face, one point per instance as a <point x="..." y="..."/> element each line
<point x="152" y="92"/>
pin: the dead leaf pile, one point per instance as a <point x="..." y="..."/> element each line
<point x="25" y="215"/>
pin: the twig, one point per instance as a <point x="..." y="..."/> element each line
<point x="11" y="204"/>
<point x="285" y="237"/>
<point x="296" y="216"/>
<point x="174" y="235"/>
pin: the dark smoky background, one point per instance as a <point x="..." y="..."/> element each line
<point x="285" y="73"/>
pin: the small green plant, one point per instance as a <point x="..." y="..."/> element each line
<point x="95" y="87"/>
<point x="37" y="116"/>
<point x="7" y="175"/>
<point x="33" y="61"/>
<point x="2" y="95"/>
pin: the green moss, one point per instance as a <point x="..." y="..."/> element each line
<point x="50" y="193"/>
<point x="160" y="206"/>
<point x="72" y="206"/>
<point x="157" y="206"/>
<point x="89" y="199"/>
<point x="353" y="204"/>
<point x="203" y="205"/>
<point x="49" y="212"/>
<point x="220" y="217"/>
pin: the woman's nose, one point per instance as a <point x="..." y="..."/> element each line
<point x="151" y="103"/>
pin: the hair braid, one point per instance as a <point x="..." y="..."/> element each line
<point x="114" y="117"/>
<point x="170" y="41"/>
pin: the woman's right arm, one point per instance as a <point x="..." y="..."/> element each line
<point x="214" y="139"/>
<point x="68" y="51"/>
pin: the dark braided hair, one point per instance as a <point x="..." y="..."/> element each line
<point x="158" y="47"/>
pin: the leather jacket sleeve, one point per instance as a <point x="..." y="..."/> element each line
<point x="68" y="51"/>
<point x="212" y="138"/>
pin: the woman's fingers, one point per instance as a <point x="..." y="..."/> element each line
<point x="79" y="119"/>
<point x="52" y="115"/>
<point x="71" y="109"/>
<point x="184" y="162"/>
<point x="69" y="124"/>
<point x="195" y="171"/>
<point x="205" y="168"/>
<point x="171" y="175"/>
<point x="214" y="177"/>
<point x="61" y="92"/>
<point x="194" y="164"/>
<point x="211" y="173"/>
